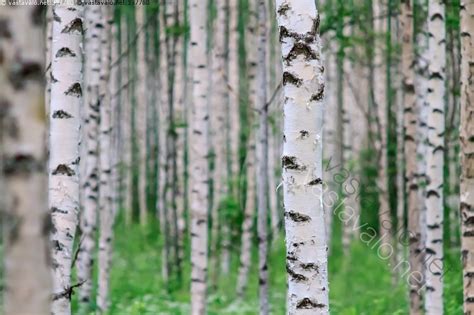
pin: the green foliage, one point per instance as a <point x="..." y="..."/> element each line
<point x="361" y="282"/>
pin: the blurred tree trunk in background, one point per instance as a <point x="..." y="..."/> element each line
<point x="467" y="151"/>
<point x="262" y="157"/>
<point x="105" y="159"/>
<point x="199" y="156"/>
<point x="141" y="113"/>
<point x="90" y="142"/>
<point x="27" y="263"/>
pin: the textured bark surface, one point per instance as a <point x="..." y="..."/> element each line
<point x="105" y="159"/>
<point x="141" y="114"/>
<point x="262" y="159"/>
<point x="26" y="221"/>
<point x="90" y="177"/>
<point x="198" y="156"/>
<point x="418" y="232"/>
<point x="302" y="157"/>
<point x="435" y="156"/>
<point x="410" y="120"/>
<point x="65" y="124"/>
<point x="467" y="151"/>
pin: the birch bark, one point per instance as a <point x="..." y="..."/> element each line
<point x="126" y="121"/>
<point x="198" y="156"/>
<point x="302" y="157"/>
<point x="435" y="156"/>
<point x="88" y="218"/>
<point x="140" y="114"/>
<point x="65" y="126"/>
<point x="262" y="158"/>
<point x="105" y="195"/>
<point x="467" y="151"/>
<point x="26" y="220"/>
<point x="380" y="10"/>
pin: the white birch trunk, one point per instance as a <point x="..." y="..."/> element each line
<point x="435" y="157"/>
<point x="140" y="113"/>
<point x="126" y="126"/>
<point x="220" y="97"/>
<point x="65" y="126"/>
<point x="418" y="230"/>
<point x="88" y="217"/>
<point x="262" y="158"/>
<point x="233" y="82"/>
<point x="467" y="151"/>
<point x="302" y="157"/>
<point x="410" y="125"/>
<point x="162" y="133"/>
<point x="26" y="221"/>
<point x="105" y="195"/>
<point x="249" y="213"/>
<point x="179" y="98"/>
<point x="198" y="156"/>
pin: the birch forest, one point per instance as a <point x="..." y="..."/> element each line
<point x="299" y="157"/>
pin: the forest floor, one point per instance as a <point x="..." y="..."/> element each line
<point x="360" y="282"/>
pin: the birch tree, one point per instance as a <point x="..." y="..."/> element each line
<point x="380" y="99"/>
<point x="435" y="156"/>
<point x="90" y="179"/>
<point x="105" y="159"/>
<point x="262" y="158"/>
<point x="410" y="147"/>
<point x="303" y="83"/>
<point x="65" y="124"/>
<point x="249" y="212"/>
<point x="126" y="112"/>
<point x="140" y="113"/>
<point x="220" y="98"/>
<point x="249" y="206"/>
<point x="198" y="156"/>
<point x="26" y="221"/>
<point x="467" y="151"/>
<point x="409" y="144"/>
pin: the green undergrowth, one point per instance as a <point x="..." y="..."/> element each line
<point x="360" y="282"/>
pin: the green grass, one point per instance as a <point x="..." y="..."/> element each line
<point x="360" y="282"/>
